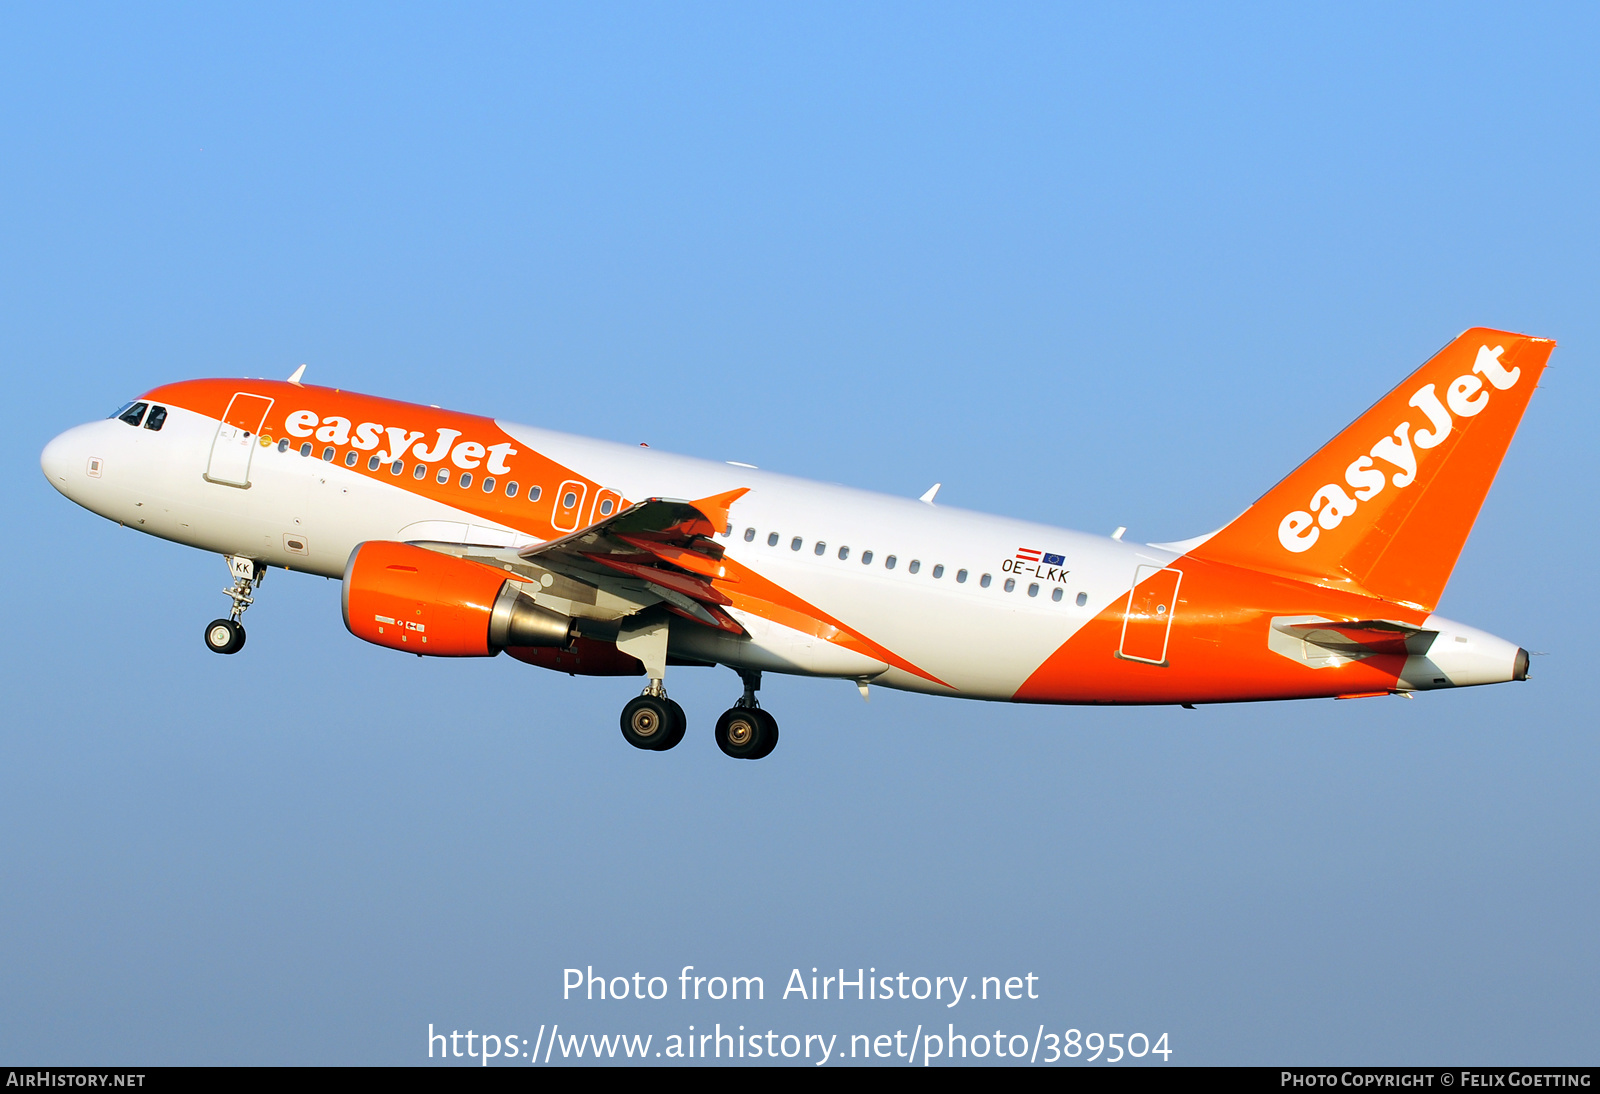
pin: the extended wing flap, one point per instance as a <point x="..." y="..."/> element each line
<point x="665" y="544"/>
<point x="656" y="574"/>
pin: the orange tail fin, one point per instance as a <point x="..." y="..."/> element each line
<point x="1385" y="507"/>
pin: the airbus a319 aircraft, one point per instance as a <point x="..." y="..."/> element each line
<point x="463" y="536"/>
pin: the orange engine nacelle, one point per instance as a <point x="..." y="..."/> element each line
<point x="420" y="601"/>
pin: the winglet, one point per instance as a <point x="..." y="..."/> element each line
<point x="715" y="508"/>
<point x="299" y="372"/>
<point x="933" y="492"/>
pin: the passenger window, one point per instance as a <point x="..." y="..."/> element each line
<point x="328" y="454"/>
<point x="397" y="467"/>
<point x="351" y="457"/>
<point x="772" y="540"/>
<point x="283" y="444"/>
<point x="421" y="472"/>
<point x="372" y="462"/>
<point x="567" y="502"/>
<point x="794" y="544"/>
<point x="134" y="413"/>
<point x="727" y="531"/>
<point x="961" y="577"/>
<point x="844" y="553"/>
<point x="888" y="563"/>
<point x="534" y="492"/>
<point x="938" y="571"/>
<point x="822" y="549"/>
<point x="157" y="419"/>
<point x="866" y="558"/>
<point x="488" y="485"/>
<point x="1033" y="588"/>
<point x="466" y="479"/>
<point x="984" y="581"/>
<point x="606" y="505"/>
<point x="916" y="564"/>
<point x="1055" y="594"/>
<point x="749" y="535"/>
<point x="1083" y="598"/>
<point x="305" y="449"/>
<point x="1011" y="584"/>
<point x="511" y="489"/>
<point x="444" y="475"/>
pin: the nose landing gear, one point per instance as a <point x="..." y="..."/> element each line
<point x="227" y="635"/>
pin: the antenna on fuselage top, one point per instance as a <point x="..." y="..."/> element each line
<point x="299" y="372"/>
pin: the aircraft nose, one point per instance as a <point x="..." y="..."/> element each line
<point x="64" y="459"/>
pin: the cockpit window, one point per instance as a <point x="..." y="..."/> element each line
<point x="132" y="413"/>
<point x="157" y="419"/>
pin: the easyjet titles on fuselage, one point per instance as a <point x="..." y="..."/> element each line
<point x="466" y="455"/>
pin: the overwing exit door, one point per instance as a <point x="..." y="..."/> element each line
<point x="1147" y="622"/>
<point x="235" y="442"/>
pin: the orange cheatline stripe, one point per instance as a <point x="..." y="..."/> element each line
<point x="761" y="596"/>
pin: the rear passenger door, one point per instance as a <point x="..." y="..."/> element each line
<point x="1147" y="620"/>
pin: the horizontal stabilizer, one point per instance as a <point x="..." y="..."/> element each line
<point x="1361" y="638"/>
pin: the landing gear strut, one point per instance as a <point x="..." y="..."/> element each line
<point x="652" y="721"/>
<point x="227" y="635"/>
<point x="745" y="731"/>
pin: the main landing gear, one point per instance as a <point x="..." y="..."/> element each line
<point x="655" y="723"/>
<point x="227" y="635"/>
<point x="745" y="731"/>
<point x="652" y="721"/>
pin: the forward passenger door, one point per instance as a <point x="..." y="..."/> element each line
<point x="235" y="442"/>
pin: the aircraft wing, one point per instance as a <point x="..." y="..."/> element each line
<point x="662" y="546"/>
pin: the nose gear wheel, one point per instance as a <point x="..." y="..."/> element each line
<point x="224" y="636"/>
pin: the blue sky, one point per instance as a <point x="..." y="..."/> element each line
<point x="1093" y="266"/>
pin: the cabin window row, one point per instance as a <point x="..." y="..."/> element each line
<point x="487" y="484"/>
<point x="820" y="548"/>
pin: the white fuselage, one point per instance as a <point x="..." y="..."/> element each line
<point x="977" y="603"/>
<point x="983" y="639"/>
